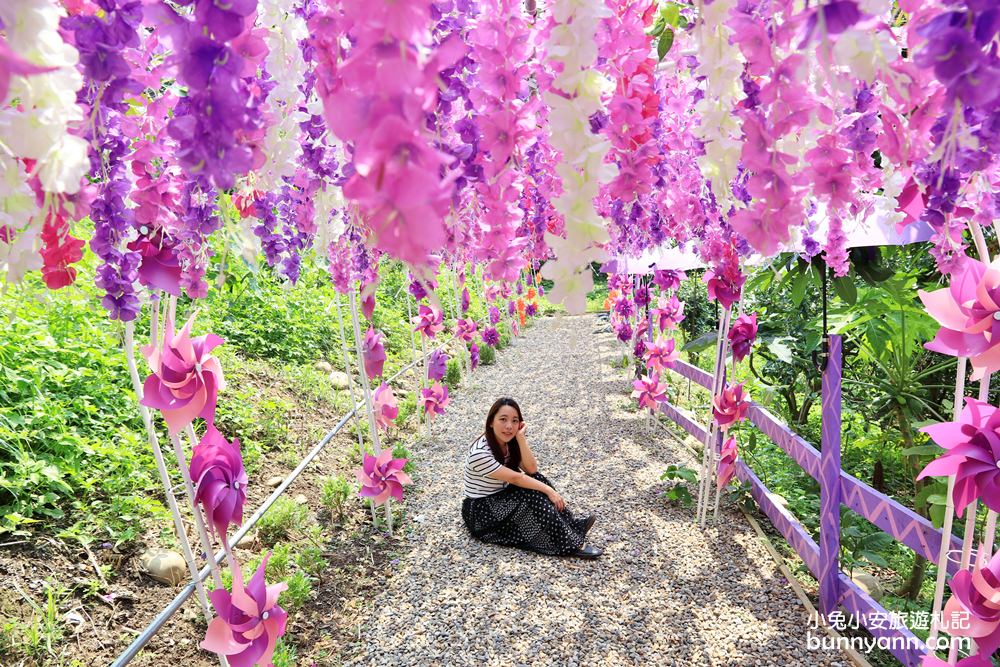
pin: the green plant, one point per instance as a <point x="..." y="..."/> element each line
<point x="399" y="451"/>
<point x="282" y="520"/>
<point x="310" y="560"/>
<point x="681" y="476"/>
<point x="284" y="654"/>
<point x="334" y="492"/>
<point x="279" y="562"/>
<point x="857" y="545"/>
<point x="297" y="593"/>
<point x="453" y="376"/>
<point x="487" y="355"/>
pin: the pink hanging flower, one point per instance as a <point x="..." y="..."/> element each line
<point x="649" y="391"/>
<point x="974" y="608"/>
<point x="382" y="477"/>
<point x="727" y="463"/>
<point x="373" y="353"/>
<point x="669" y="312"/>
<point x="967" y="312"/>
<point x="428" y="321"/>
<point x="220" y="480"/>
<point x="249" y="620"/>
<point x="465" y="330"/>
<point x="434" y="399"/>
<point x="385" y="407"/>
<point x="437" y="366"/>
<point x="724" y="285"/>
<point x="186" y="379"/>
<point x="731" y="405"/>
<point x="661" y="354"/>
<point x="973" y="456"/>
<point x="742" y="335"/>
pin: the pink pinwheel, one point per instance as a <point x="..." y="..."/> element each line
<point x="373" y="353"/>
<point x="466" y="329"/>
<point x="742" y="335"/>
<point x="725" y="285"/>
<point x="650" y="391"/>
<point x="382" y="477"/>
<point x="220" y="480"/>
<point x="727" y="462"/>
<point x="668" y="279"/>
<point x="385" y="406"/>
<point x="980" y="660"/>
<point x="669" y="312"/>
<point x="249" y="620"/>
<point x="973" y="444"/>
<point x="428" y="321"/>
<point x="974" y="608"/>
<point x="661" y="354"/>
<point x="731" y="405"/>
<point x="434" y="399"/>
<point x="437" y="365"/>
<point x="186" y="379"/>
<point x="967" y="311"/>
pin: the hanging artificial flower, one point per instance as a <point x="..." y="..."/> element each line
<point x="742" y="335"/>
<point x="661" y="354"/>
<point x="724" y="285"/>
<point x="972" y="456"/>
<point x="668" y="279"/>
<point x="727" y="462"/>
<point x="384" y="405"/>
<point x="220" y="480"/>
<point x="437" y="366"/>
<point x="649" y="391"/>
<point x="428" y="321"/>
<point x="249" y="621"/>
<point x="382" y="477"/>
<point x="731" y="406"/>
<point x="434" y="399"/>
<point x="373" y="353"/>
<point x="186" y="378"/>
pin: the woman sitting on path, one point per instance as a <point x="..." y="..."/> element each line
<point x="504" y="505"/>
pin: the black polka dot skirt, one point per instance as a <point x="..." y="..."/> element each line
<point x="524" y="518"/>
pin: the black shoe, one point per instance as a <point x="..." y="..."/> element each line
<point x="587" y="551"/>
<point x="589" y="523"/>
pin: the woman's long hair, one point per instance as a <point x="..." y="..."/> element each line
<point x="513" y="460"/>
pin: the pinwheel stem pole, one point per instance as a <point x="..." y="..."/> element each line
<point x="423" y="377"/>
<point x="367" y="390"/>
<point x="161" y="466"/>
<point x="420" y="378"/>
<point x="199" y="518"/>
<point x="708" y="452"/>
<point x="458" y="315"/>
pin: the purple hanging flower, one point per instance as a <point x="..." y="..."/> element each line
<point x="624" y="332"/>
<point x="466" y="300"/>
<point x="511" y="308"/>
<point x="416" y="288"/>
<point x="531" y="310"/>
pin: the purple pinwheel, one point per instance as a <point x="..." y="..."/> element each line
<point x="437" y="366"/>
<point x="428" y="321"/>
<point x="727" y="462"/>
<point x="491" y="336"/>
<point x="668" y="279"/>
<point x="642" y="297"/>
<point x="974" y="608"/>
<point x="669" y="312"/>
<point x="474" y="356"/>
<point x="967" y="312"/>
<point x="465" y="330"/>
<point x="624" y="331"/>
<point x="973" y="444"/>
<point x="742" y="335"/>
<point x="186" y="379"/>
<point x="382" y="477"/>
<point x="249" y="620"/>
<point x="731" y="405"/>
<point x="624" y="306"/>
<point x="649" y="391"/>
<point x="373" y="353"/>
<point x="434" y="399"/>
<point x="531" y="309"/>
<point x="661" y="354"/>
<point x="220" y="480"/>
<point x="494" y="313"/>
<point x="385" y="407"/>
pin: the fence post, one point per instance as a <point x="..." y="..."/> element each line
<point x="829" y="503"/>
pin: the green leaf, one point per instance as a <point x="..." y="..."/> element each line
<point x="875" y="559"/>
<point x="671" y="13"/>
<point x="799" y="287"/>
<point x="779" y="349"/>
<point x="665" y="42"/>
<point x="702" y="342"/>
<point x="922" y="450"/>
<point x="845" y="289"/>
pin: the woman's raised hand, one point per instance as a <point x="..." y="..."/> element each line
<point x="557" y="500"/>
<point x="521" y="430"/>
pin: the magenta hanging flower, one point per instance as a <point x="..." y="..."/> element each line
<point x="160" y="267"/>
<point x="974" y="607"/>
<point x="668" y="279"/>
<point x="382" y="477"/>
<point x="437" y="365"/>
<point x="186" y="378"/>
<point x="491" y="336"/>
<point x="249" y="621"/>
<point x="967" y="311"/>
<point x="466" y="329"/>
<point x="731" y="405"/>
<point x="649" y="391"/>
<point x="428" y="321"/>
<point x="474" y="356"/>
<point x="434" y="399"/>
<point x="742" y="335"/>
<point x="466" y="300"/>
<point x="727" y="462"/>
<point x="624" y="331"/>
<point x="639" y="347"/>
<point x="368" y="299"/>
<point x="973" y="456"/>
<point x="373" y="353"/>
<point x="220" y="480"/>
<point x="624" y="306"/>
<point x="669" y="312"/>
<point x="494" y="313"/>
<point x="725" y="285"/>
<point x="384" y="405"/>
<point x="661" y="354"/>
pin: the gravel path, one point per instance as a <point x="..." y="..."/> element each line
<point x="664" y="593"/>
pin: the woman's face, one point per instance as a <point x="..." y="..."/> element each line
<point x="505" y="424"/>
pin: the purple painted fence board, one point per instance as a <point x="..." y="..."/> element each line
<point x="903" y="644"/>
<point x="685" y="422"/>
<point x="829" y="495"/>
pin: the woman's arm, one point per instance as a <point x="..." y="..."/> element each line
<point x="528" y="461"/>
<point x="505" y="474"/>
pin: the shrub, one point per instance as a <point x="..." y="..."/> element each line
<point x="297" y="593"/>
<point x="399" y="451"/>
<point x="487" y="355"/>
<point x="311" y="561"/>
<point x="334" y="492"/>
<point x="453" y="376"/>
<point x="285" y="518"/>
<point x="284" y="654"/>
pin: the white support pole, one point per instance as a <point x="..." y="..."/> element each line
<point x="366" y="388"/>
<point x="458" y="315"/>
<point x="417" y="371"/>
<point x="708" y="452"/>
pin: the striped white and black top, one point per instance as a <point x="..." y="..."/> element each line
<point x="478" y="464"/>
